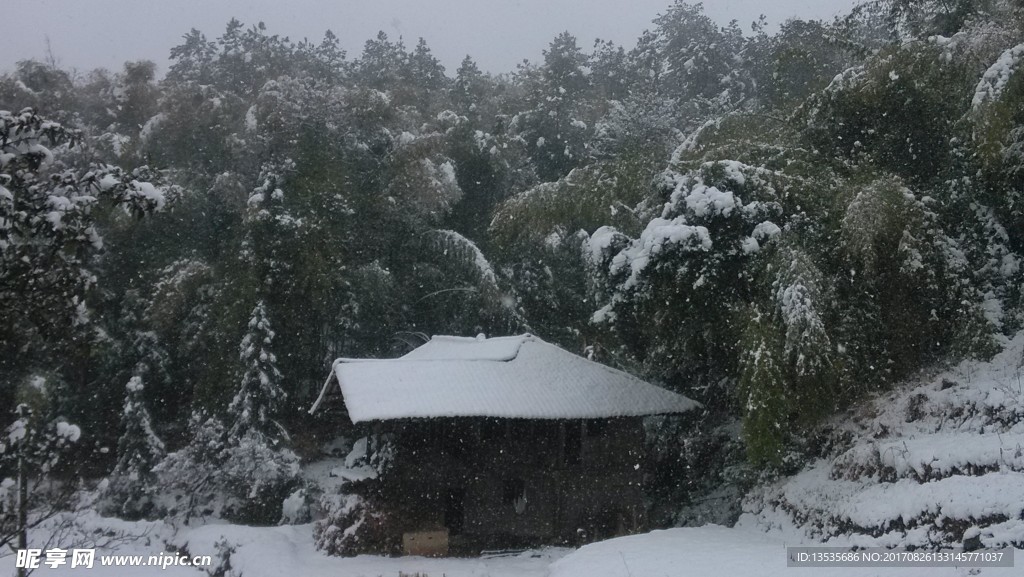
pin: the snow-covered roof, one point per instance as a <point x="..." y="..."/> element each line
<point x="510" y="377"/>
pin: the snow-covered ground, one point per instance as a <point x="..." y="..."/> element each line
<point x="288" y="550"/>
<point x="929" y="464"/>
<point x="714" y="551"/>
<point x="278" y="552"/>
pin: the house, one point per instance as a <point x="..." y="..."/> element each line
<point x="507" y="440"/>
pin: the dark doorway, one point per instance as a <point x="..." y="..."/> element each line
<point x="455" y="510"/>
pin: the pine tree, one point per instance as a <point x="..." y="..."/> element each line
<point x="382" y="62"/>
<point x="258" y="470"/>
<point x="139" y="450"/>
<point x="556" y="125"/>
<point x="469" y="88"/>
<point x="240" y="470"/>
<point x="260" y="396"/>
<point x="700" y="58"/>
<point x="425" y="75"/>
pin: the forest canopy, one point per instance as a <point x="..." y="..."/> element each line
<point x="773" y="224"/>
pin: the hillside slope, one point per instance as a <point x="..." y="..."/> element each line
<point x="929" y="464"/>
<point x="934" y="463"/>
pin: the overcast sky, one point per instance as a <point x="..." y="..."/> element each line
<point x="86" y="34"/>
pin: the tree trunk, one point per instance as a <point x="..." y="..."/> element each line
<point x="22" y="507"/>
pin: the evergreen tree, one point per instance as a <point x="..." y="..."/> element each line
<point x="257" y="469"/>
<point x="469" y="89"/>
<point x="609" y="72"/>
<point x="240" y="471"/>
<point x="699" y="58"/>
<point x="130" y="489"/>
<point x="260" y="395"/>
<point x="382" y="63"/>
<point x="555" y="126"/>
<point x="426" y="77"/>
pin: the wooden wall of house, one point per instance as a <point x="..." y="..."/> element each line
<point x="581" y="480"/>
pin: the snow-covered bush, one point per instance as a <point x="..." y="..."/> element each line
<point x="256" y="477"/>
<point x="188" y="477"/>
<point x="243" y="479"/>
<point x="296" y="509"/>
<point x="355" y="517"/>
<point x="354" y="525"/>
<point x="223" y="567"/>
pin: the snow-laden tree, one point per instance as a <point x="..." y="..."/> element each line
<point x="260" y="396"/>
<point x="689" y="57"/>
<point x="787" y="381"/>
<point x="130" y="486"/>
<point x="421" y="182"/>
<point x="354" y="525"/>
<point x="426" y="77"/>
<point x="469" y="89"/>
<point x="800" y="304"/>
<point x="32" y="447"/>
<point x="996" y="141"/>
<point x="933" y="17"/>
<point x="257" y="476"/>
<point x="556" y="123"/>
<point x="239" y="468"/>
<point x="381" y="63"/>
<point x="540" y="237"/>
<point x="902" y="257"/>
<point x="457" y="281"/>
<point x="50" y="199"/>
<point x="796" y="62"/>
<point x="270" y="229"/>
<point x="674" y="290"/>
<point x="42" y="86"/>
<point x="257" y="468"/>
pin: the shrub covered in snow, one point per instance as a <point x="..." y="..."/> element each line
<point x="257" y="477"/>
<point x="187" y="477"/>
<point x="295" y="509"/>
<point x="354" y="525"/>
<point x="244" y="479"/>
<point x="357" y="518"/>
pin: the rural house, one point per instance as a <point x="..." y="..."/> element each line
<point x="508" y="440"/>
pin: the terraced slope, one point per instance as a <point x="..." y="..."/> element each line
<point x="934" y="463"/>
